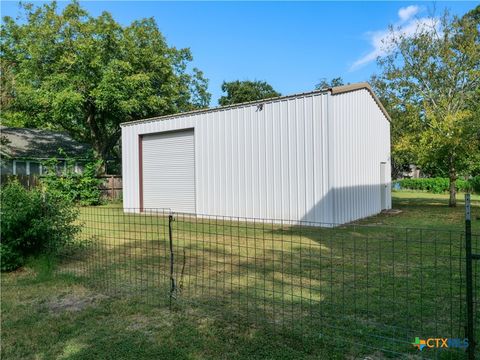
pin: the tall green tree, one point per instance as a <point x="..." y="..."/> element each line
<point x="70" y="71"/>
<point x="431" y="83"/>
<point x="404" y="128"/>
<point x="243" y="91"/>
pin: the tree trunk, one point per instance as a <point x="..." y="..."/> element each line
<point x="100" y="154"/>
<point x="96" y="138"/>
<point x="452" y="202"/>
<point x="102" y="170"/>
<point x="103" y="149"/>
<point x="101" y="140"/>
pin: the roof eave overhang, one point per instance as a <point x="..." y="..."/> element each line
<point x="358" y="86"/>
<point x="334" y="91"/>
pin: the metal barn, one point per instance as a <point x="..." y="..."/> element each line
<point x="322" y="156"/>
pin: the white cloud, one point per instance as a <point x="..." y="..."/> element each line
<point x="408" y="12"/>
<point x="381" y="40"/>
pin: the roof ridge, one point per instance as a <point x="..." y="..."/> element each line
<point x="333" y="90"/>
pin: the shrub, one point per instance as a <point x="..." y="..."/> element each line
<point x="33" y="222"/>
<point x="82" y="188"/>
<point x="475" y="184"/>
<point x="434" y="185"/>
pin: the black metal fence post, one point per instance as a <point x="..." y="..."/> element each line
<point x="469" y="279"/>
<point x="170" y="240"/>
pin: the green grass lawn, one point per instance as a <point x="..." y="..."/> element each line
<point x="244" y="290"/>
<point x="421" y="209"/>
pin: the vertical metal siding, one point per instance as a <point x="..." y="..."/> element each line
<point x="360" y="141"/>
<point x="249" y="162"/>
<point x="293" y="159"/>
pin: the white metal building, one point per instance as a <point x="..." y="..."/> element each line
<point x="322" y="156"/>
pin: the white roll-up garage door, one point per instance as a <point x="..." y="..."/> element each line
<point x="168" y="165"/>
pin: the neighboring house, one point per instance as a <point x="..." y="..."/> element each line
<point x="320" y="157"/>
<point x="23" y="150"/>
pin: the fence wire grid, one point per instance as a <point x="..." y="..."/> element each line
<point x="360" y="290"/>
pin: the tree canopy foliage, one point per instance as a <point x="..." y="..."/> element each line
<point x="70" y="71"/>
<point x="324" y="83"/>
<point x="243" y="91"/>
<point x="430" y="85"/>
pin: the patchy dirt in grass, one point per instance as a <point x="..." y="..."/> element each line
<point x="375" y="356"/>
<point x="392" y="211"/>
<point x="138" y="322"/>
<point x="149" y="325"/>
<point x="73" y="302"/>
<point x="378" y="355"/>
<point x="22" y="272"/>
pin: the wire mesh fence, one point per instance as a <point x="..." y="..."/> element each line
<point x="361" y="290"/>
<point x="476" y="297"/>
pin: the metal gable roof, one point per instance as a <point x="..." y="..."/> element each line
<point x="334" y="91"/>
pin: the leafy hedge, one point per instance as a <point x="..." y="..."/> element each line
<point x="33" y="222"/>
<point x="475" y="184"/>
<point x="78" y="187"/>
<point x="439" y="185"/>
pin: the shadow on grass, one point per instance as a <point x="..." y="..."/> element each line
<point x="127" y="329"/>
<point x="359" y="289"/>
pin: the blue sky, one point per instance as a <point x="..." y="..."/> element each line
<point x="290" y="45"/>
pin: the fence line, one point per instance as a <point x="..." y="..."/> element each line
<point x="27" y="181"/>
<point x="367" y="289"/>
<point x="111" y="187"/>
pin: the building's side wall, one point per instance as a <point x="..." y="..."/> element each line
<point x="359" y="140"/>
<point x="250" y="162"/>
